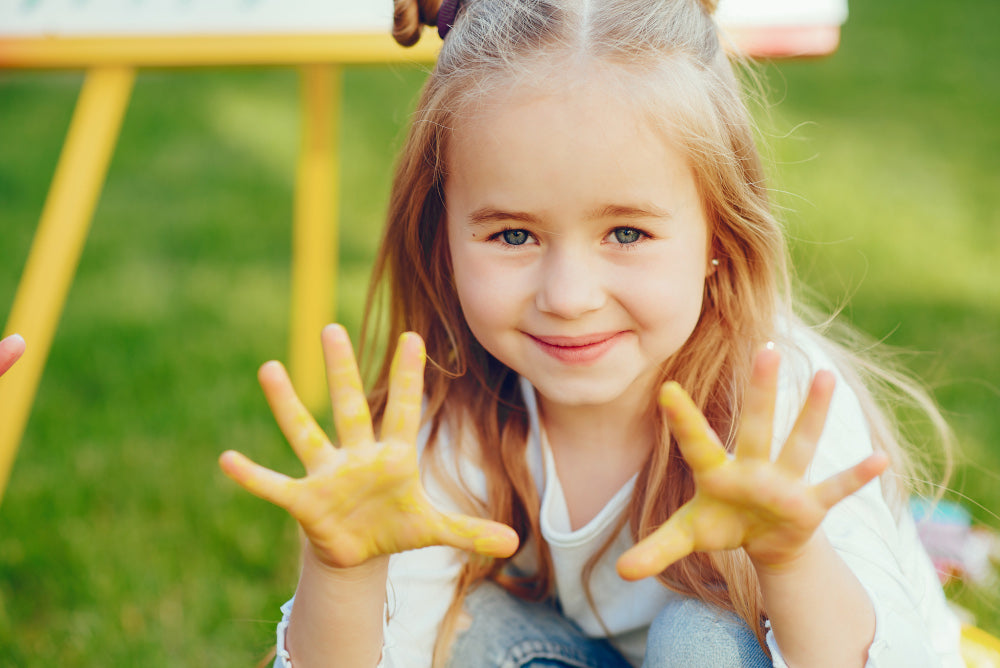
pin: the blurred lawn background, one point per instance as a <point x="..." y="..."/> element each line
<point x="121" y="544"/>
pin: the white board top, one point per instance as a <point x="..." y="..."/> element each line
<point x="782" y="13"/>
<point x="81" y="18"/>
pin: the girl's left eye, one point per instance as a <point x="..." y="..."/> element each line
<point x="514" y="237"/>
<point x="626" y="235"/>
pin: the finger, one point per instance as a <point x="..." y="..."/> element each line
<point x="841" y="485"/>
<point x="651" y="556"/>
<point x="473" y="534"/>
<point x="753" y="439"/>
<point x="350" y="406"/>
<point x="11" y="348"/>
<point x="406" y="375"/>
<point x="698" y="443"/>
<point x="258" y="480"/>
<point x="801" y="444"/>
<point x="300" y="429"/>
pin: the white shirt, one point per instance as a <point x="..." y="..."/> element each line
<point x="914" y="626"/>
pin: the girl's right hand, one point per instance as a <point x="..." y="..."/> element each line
<point x="364" y="498"/>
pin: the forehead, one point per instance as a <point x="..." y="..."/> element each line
<point x="579" y="138"/>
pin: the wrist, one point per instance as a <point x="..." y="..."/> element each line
<point x="790" y="564"/>
<point x="373" y="569"/>
<point x="338" y="614"/>
<point x="820" y="613"/>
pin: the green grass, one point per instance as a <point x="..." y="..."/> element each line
<point x="894" y="206"/>
<point x="120" y="542"/>
<point x="895" y="200"/>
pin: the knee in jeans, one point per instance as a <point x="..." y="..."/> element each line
<point x="501" y="631"/>
<point x="689" y="633"/>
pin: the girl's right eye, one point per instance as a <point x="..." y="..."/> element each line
<point x="514" y="237"/>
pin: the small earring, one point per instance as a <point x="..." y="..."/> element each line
<point x="715" y="262"/>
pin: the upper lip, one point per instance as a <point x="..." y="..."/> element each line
<point x="574" y="341"/>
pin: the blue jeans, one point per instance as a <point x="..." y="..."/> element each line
<point x="507" y="632"/>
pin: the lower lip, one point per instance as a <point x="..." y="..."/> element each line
<point x="579" y="354"/>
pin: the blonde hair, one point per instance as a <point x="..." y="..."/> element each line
<point x="664" y="55"/>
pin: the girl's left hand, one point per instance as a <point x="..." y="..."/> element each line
<point x="748" y="501"/>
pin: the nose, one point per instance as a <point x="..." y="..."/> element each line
<point x="570" y="285"/>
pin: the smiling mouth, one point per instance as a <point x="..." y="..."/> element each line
<point x="577" y="349"/>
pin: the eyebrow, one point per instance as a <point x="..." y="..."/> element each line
<point x="489" y="214"/>
<point x="629" y="211"/>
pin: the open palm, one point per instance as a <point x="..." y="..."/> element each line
<point x="747" y="500"/>
<point x="365" y="498"/>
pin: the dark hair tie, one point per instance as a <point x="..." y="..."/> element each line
<point x="446" y="16"/>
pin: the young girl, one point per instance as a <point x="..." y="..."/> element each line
<point x="625" y="449"/>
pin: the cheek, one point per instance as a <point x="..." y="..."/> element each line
<point x="668" y="297"/>
<point x="483" y="296"/>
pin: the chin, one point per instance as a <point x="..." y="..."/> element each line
<point x="579" y="393"/>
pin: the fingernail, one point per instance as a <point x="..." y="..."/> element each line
<point x="336" y="329"/>
<point x="15" y="338"/>
<point x="414" y="342"/>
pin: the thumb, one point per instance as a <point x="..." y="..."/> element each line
<point x="473" y="534"/>
<point x="652" y="555"/>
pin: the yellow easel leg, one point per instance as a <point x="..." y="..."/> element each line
<point x="314" y="245"/>
<point x="58" y="243"/>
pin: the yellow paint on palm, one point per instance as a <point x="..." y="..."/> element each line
<point x="408" y="504"/>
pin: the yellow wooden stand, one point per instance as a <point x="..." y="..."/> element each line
<point x="111" y="65"/>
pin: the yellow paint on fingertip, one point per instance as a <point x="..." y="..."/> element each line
<point x="495" y="546"/>
<point x="421" y="348"/>
<point x="485" y="544"/>
<point x="670" y="392"/>
<point x="714" y="457"/>
<point x="634" y="568"/>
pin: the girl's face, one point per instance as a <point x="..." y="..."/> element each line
<point x="578" y="241"/>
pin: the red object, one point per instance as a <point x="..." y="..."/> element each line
<point x="784" y="41"/>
